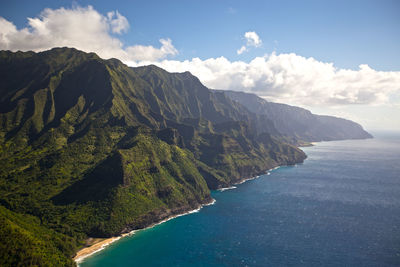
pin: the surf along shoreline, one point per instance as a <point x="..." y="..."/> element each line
<point x="97" y="244"/>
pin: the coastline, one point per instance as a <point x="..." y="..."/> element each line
<point x="94" y="248"/>
<point x="101" y="244"/>
<point x="267" y="172"/>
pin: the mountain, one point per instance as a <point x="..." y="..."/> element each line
<point x="94" y="148"/>
<point x="299" y="124"/>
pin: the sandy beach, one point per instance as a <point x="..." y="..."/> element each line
<point x="95" y="245"/>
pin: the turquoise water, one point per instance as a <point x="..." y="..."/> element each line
<point x="340" y="208"/>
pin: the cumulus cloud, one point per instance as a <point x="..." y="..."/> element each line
<point x="83" y="28"/>
<point x="290" y="78"/>
<point x="118" y="24"/>
<point x="140" y="52"/>
<point x="252" y="40"/>
<point x="287" y="78"/>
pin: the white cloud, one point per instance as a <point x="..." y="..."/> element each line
<point x="290" y="78"/>
<point x="140" y="52"/>
<point x="118" y="24"/>
<point x="80" y="27"/>
<point x="287" y="78"/>
<point x="241" y="50"/>
<point x="7" y="28"/>
<point x="253" y="39"/>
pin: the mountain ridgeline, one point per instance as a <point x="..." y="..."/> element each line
<point x="298" y="124"/>
<point x="94" y="148"/>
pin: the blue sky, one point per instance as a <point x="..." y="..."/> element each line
<point x="306" y="53"/>
<point x="348" y="33"/>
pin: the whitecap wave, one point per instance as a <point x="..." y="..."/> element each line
<point x="227" y="188"/>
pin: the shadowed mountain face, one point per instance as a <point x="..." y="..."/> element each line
<point x="298" y="123"/>
<point x="91" y="147"/>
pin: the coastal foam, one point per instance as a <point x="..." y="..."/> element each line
<point x="103" y="244"/>
<point x="227" y="188"/>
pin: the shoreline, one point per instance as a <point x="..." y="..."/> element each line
<point x="94" y="248"/>
<point x="267" y="172"/>
<point x="101" y="244"/>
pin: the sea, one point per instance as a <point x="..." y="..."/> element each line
<point x="341" y="207"/>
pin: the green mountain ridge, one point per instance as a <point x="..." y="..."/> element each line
<point x="94" y="148"/>
<point x="299" y="124"/>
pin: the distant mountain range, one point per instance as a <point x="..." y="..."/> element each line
<point x="94" y="148"/>
<point x="299" y="124"/>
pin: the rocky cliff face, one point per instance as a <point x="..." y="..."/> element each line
<point x="91" y="147"/>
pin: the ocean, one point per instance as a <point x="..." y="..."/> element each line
<point x="341" y="207"/>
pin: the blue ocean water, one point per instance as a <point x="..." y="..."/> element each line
<point x="341" y="207"/>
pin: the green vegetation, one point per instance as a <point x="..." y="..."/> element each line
<point x="24" y="242"/>
<point x="93" y="148"/>
<point x="297" y="125"/>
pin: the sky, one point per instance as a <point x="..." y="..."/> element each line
<point x="338" y="58"/>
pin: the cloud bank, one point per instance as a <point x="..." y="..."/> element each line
<point x="83" y="28"/>
<point x="290" y="78"/>
<point x="287" y="78"/>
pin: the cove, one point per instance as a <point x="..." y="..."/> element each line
<point x="341" y="207"/>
